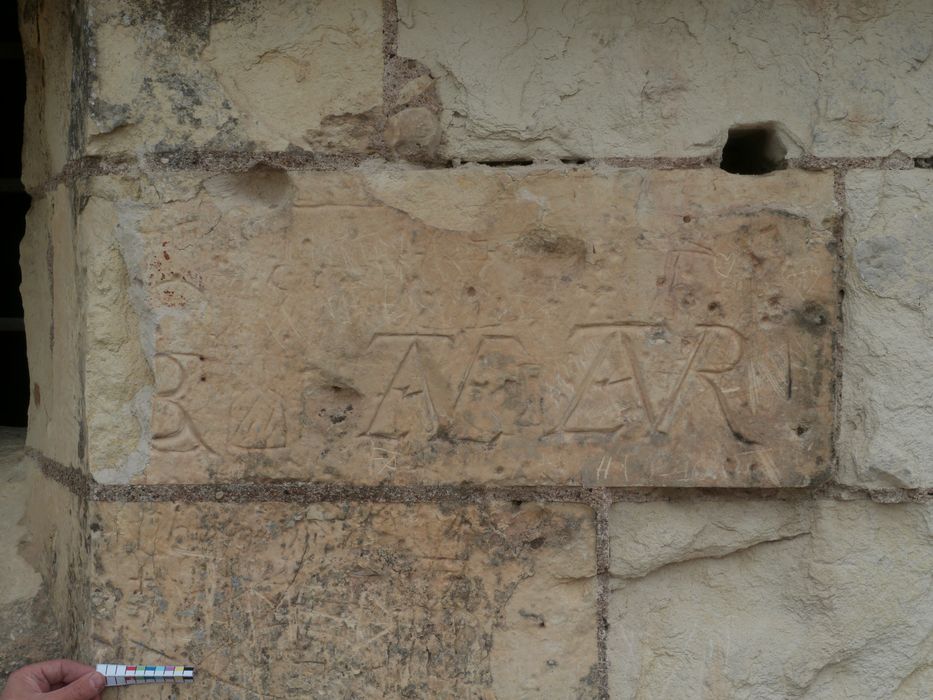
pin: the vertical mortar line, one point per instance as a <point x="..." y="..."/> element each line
<point x="839" y="194"/>
<point x="602" y="501"/>
<point x="389" y="53"/>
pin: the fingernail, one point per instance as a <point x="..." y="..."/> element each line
<point x="98" y="681"/>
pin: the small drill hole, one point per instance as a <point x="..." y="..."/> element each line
<point x="753" y="150"/>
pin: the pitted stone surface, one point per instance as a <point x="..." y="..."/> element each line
<point x="600" y="78"/>
<point x="885" y="438"/>
<point x="352" y="600"/>
<point x="473" y="326"/>
<point x="827" y="600"/>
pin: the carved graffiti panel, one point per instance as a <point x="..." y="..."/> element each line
<point x="554" y="327"/>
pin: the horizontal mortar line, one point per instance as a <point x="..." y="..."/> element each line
<point x="198" y="160"/>
<point x="82" y="485"/>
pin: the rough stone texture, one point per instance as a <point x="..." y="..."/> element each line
<point x="544" y="326"/>
<point x="353" y="600"/>
<point x="20" y="580"/>
<point x="29" y="632"/>
<point x="45" y="28"/>
<point x="52" y="301"/>
<point x="158" y="75"/>
<point x="56" y="520"/>
<point x="771" y="600"/>
<point x="664" y="532"/>
<point x="602" y="78"/>
<point x="885" y="437"/>
<point x="413" y="134"/>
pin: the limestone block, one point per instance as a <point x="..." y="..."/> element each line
<point x="272" y="74"/>
<point x="53" y="318"/>
<point x="56" y="520"/>
<point x="477" y="325"/>
<point x="29" y="632"/>
<point x="45" y="28"/>
<point x="885" y="437"/>
<point x="665" y="533"/>
<point x="602" y="78"/>
<point x="20" y="580"/>
<point x="827" y="600"/>
<point x="350" y="600"/>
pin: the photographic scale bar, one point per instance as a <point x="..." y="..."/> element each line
<point x="120" y="674"/>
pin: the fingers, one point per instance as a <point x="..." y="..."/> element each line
<point x="63" y="671"/>
<point x="87" y="687"/>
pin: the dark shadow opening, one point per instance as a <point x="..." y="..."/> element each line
<point x="14" y="202"/>
<point x="754" y="149"/>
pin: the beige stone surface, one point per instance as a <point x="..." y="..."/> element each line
<point x="885" y="438"/>
<point x="647" y="78"/>
<point x="18" y="579"/>
<point x="543" y="326"/>
<point x="52" y="301"/>
<point x="669" y="532"/>
<point x="350" y="600"/>
<point x="45" y="30"/>
<point x="57" y="547"/>
<point x="29" y="633"/>
<point x="831" y="600"/>
<point x="266" y="74"/>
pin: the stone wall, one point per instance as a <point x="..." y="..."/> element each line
<point x="422" y="349"/>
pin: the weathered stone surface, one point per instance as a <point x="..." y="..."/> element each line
<point x="647" y="78"/>
<point x="413" y="133"/>
<point x="473" y="325"/>
<point x="667" y="532"/>
<point x="19" y="579"/>
<point x="56" y="521"/>
<point x="833" y="600"/>
<point x="885" y="437"/>
<point x="267" y="74"/>
<point x="354" y="600"/>
<point x="45" y="29"/>
<point x="54" y="322"/>
<point x="29" y="632"/>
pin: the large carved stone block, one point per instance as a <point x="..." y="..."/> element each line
<point x="738" y="599"/>
<point x="643" y="78"/>
<point x="884" y="436"/>
<point x="350" y="600"/>
<point x="474" y="325"/>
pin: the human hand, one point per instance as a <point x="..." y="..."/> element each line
<point x="54" y="680"/>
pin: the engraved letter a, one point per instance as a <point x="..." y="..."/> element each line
<point x="406" y="405"/>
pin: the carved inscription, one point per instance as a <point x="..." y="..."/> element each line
<point x="617" y="328"/>
<point x="497" y="393"/>
<point x="622" y="390"/>
<point x="617" y="389"/>
<point x="173" y="428"/>
<point x="407" y="403"/>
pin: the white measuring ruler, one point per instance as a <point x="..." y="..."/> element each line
<point x="122" y="674"/>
